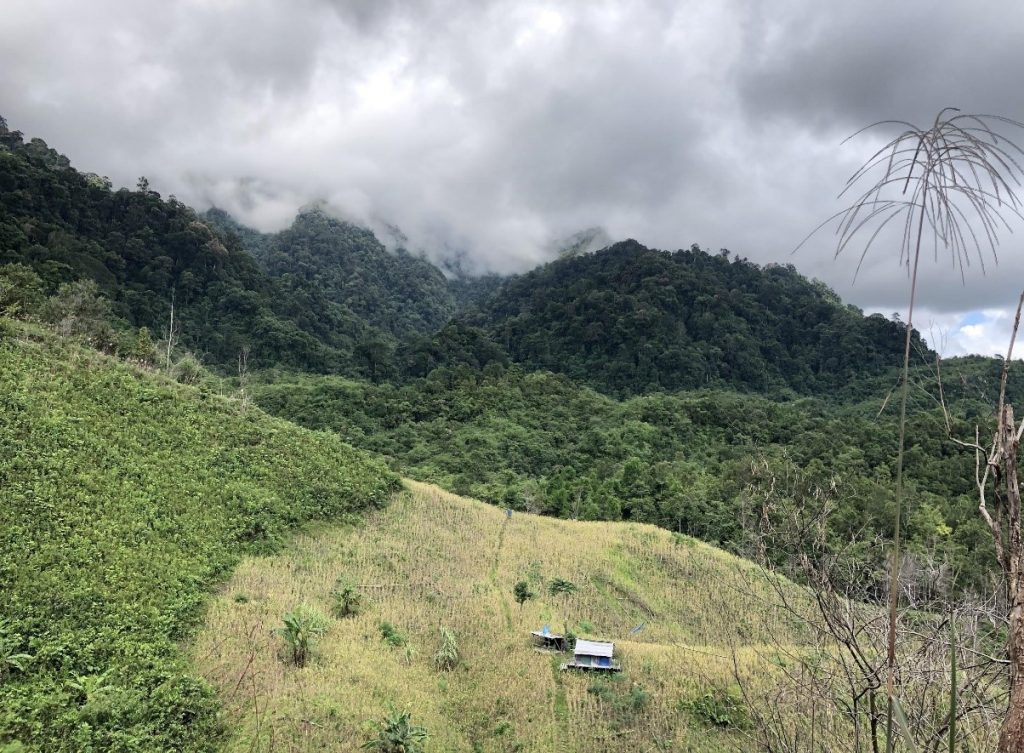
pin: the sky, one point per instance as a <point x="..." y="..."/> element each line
<point x="487" y="130"/>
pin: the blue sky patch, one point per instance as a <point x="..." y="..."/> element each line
<point x="973" y="317"/>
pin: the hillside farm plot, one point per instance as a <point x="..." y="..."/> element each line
<point x="433" y="560"/>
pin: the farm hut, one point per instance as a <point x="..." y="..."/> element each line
<point x="595" y="656"/>
<point x="546" y="639"/>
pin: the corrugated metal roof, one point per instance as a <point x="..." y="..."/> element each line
<point x="594" y="648"/>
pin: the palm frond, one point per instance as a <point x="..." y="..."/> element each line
<point x="957" y="180"/>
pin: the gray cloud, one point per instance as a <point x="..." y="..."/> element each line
<point x="488" y="129"/>
<point x="846" y="65"/>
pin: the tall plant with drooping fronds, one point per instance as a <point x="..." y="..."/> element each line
<point x="954" y="184"/>
<point x="303" y="627"/>
<point x="396" y="734"/>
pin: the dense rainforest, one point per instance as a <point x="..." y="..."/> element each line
<point x="626" y="383"/>
<point x="629" y="320"/>
<point x="396" y="293"/>
<point x="148" y="254"/>
<point x="542" y="443"/>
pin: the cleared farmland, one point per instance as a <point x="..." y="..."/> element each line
<point x="433" y="560"/>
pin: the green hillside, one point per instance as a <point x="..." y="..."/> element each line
<point x="395" y="292"/>
<point x="679" y="611"/>
<point x="629" y="319"/>
<point x="326" y="296"/>
<point x="125" y="497"/>
<point x="541" y="442"/>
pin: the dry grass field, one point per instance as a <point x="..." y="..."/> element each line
<point x="434" y="560"/>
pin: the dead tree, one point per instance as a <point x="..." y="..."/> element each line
<point x="172" y="331"/>
<point x="998" y="487"/>
<point x="829" y="689"/>
<point x="954" y="183"/>
<point x="243" y="376"/>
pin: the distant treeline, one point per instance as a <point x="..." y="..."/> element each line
<point x="543" y="443"/>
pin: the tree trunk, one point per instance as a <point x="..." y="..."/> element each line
<point x="1011" y="735"/>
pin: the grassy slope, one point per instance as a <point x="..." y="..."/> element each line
<point x="123" y="499"/>
<point x="433" y="559"/>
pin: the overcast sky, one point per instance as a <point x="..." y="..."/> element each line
<point x="493" y="128"/>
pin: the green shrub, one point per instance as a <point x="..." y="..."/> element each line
<point x="138" y="346"/>
<point x="396" y="734"/>
<point x="21" y="291"/>
<point x="522" y="592"/>
<point x="623" y="705"/>
<point x="188" y="370"/>
<point x="79" y="310"/>
<point x="12" y="657"/>
<point x="303" y="627"/>
<point x="533" y="573"/>
<point x="390" y="634"/>
<point x="570" y="640"/>
<point x="346" y="599"/>
<point x="561" y="586"/>
<point x="719" y="707"/>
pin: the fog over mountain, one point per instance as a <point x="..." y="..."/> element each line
<point x="492" y="130"/>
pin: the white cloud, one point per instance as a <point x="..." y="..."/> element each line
<point x="984" y="332"/>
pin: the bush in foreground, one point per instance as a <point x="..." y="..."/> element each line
<point x="396" y="734"/>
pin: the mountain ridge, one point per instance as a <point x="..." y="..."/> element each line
<point x="326" y="296"/>
<point x="628" y="319"/>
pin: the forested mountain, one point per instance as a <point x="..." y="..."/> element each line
<point x="145" y="252"/>
<point x="454" y="400"/>
<point x="395" y="292"/>
<point x="325" y="296"/>
<point x="253" y="241"/>
<point x="321" y="296"/>
<point x="629" y="320"/>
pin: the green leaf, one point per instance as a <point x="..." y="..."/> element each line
<point x="903" y="725"/>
